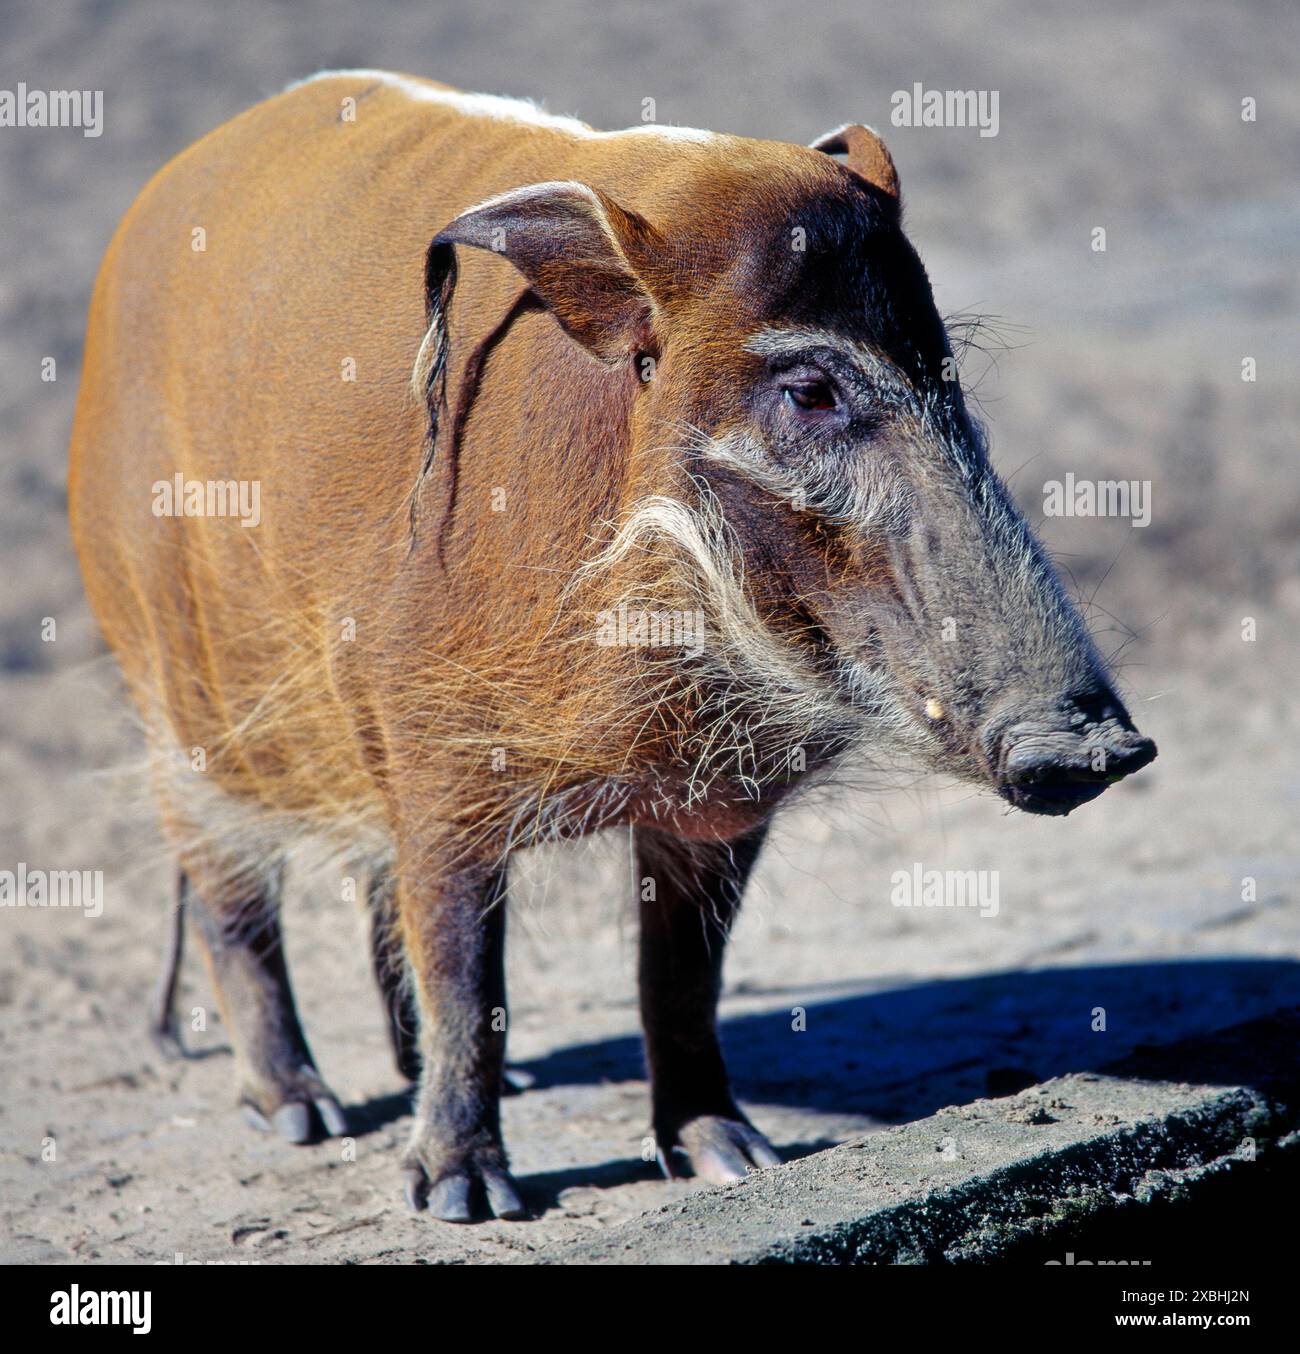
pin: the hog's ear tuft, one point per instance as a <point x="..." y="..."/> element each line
<point x="864" y="153"/>
<point x="578" y="250"/>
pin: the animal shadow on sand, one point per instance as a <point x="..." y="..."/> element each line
<point x="896" y="1054"/>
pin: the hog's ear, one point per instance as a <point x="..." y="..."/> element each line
<point x="864" y="153"/>
<point x="578" y="250"/>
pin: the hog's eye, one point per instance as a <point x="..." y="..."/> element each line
<point x="814" y="397"/>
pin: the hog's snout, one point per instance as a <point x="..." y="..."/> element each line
<point x="1052" y="758"/>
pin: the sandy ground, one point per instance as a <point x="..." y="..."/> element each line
<point x="1124" y="364"/>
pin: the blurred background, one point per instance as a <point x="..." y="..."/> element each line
<point x="1124" y="364"/>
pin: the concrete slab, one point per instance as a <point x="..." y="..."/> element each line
<point x="1008" y="1178"/>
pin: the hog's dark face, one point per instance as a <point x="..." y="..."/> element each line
<point x="873" y="526"/>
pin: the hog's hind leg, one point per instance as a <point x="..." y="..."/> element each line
<point x="164" y="1027"/>
<point x="401" y="1013"/>
<point x="238" y="927"/>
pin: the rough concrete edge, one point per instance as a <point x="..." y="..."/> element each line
<point x="1175" y="1152"/>
<point x="1053" y="1192"/>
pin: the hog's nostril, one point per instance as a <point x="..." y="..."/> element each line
<point x="1097" y="705"/>
<point x="1132" y="755"/>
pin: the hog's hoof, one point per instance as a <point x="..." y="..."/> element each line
<point x="301" y="1110"/>
<point x="720" y="1149"/>
<point x="515" y="1081"/>
<point x="166" y="1039"/>
<point x="479" y="1187"/>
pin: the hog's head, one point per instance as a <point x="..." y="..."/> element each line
<point x="805" y="381"/>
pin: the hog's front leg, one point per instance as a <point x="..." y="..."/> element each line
<point x="690" y="893"/>
<point x="453" y="930"/>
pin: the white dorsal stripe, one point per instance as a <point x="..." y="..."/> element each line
<point x="500" y="109"/>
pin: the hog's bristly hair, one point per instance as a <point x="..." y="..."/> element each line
<point x="734" y="709"/>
